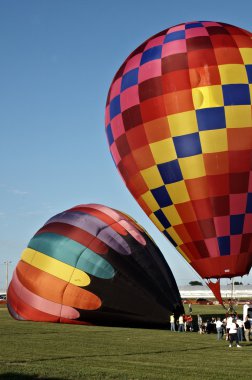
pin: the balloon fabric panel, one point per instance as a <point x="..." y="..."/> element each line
<point x="179" y="126"/>
<point x="47" y="286"/>
<point x="58" y="247"/>
<point x="55" y="267"/>
<point x="75" y="234"/>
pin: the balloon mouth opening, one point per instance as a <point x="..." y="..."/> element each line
<point x="224" y="266"/>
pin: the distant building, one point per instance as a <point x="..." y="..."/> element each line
<point x="239" y="291"/>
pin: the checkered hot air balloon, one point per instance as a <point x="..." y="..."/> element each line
<point x="179" y="127"/>
<point x="93" y="265"/>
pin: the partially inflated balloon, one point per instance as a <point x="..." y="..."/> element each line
<point x="179" y="126"/>
<point x="93" y="265"/>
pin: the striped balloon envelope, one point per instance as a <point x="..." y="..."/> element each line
<point x="93" y="265"/>
<point x="179" y="127"/>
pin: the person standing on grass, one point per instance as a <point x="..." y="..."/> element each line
<point x="247" y="327"/>
<point x="189" y="323"/>
<point x="233" y="336"/>
<point x="219" y="329"/>
<point x="224" y="326"/>
<point x="190" y="308"/>
<point x="172" y="322"/>
<point x="200" y="323"/>
<point x="229" y="321"/>
<point x="240" y="329"/>
<point x="208" y="326"/>
<point x="181" y="327"/>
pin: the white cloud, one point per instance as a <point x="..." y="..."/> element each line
<point x="19" y="192"/>
<point x="12" y="190"/>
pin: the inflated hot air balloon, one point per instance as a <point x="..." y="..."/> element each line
<point x="179" y="127"/>
<point x="93" y="265"/>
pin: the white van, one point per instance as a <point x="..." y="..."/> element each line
<point x="247" y="311"/>
<point x="2" y="298"/>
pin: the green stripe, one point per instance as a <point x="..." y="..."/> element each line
<point x="95" y="265"/>
<point x="72" y="253"/>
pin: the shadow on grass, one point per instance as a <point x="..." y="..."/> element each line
<point x="105" y="355"/>
<point x="17" y="376"/>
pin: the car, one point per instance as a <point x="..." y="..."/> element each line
<point x="2" y="298"/>
<point x="247" y="312"/>
<point x="204" y="301"/>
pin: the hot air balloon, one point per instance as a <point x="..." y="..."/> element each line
<point x="93" y="265"/>
<point x="179" y="126"/>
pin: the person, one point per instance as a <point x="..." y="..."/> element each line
<point x="219" y="329"/>
<point x="200" y="324"/>
<point x="229" y="321"/>
<point x="233" y="336"/>
<point x="231" y="308"/>
<point x="189" y="323"/>
<point x="224" y="326"/>
<point x="213" y="325"/>
<point x="204" y="327"/>
<point x="172" y="322"/>
<point x="185" y="321"/>
<point x="240" y="329"/>
<point x="181" y="327"/>
<point x="208" y="326"/>
<point x="190" y="308"/>
<point x="247" y="327"/>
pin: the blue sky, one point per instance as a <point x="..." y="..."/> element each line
<point x="58" y="59"/>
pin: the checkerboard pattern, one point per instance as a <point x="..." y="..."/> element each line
<point x="179" y="126"/>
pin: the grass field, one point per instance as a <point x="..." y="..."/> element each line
<point x="53" y="351"/>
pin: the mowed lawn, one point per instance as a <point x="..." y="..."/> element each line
<point x="56" y="351"/>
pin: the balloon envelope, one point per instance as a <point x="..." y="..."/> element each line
<point x="93" y="265"/>
<point x="179" y="127"/>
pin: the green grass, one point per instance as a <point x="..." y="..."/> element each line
<point x="53" y="351"/>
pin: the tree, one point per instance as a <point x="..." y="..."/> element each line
<point x="195" y="283"/>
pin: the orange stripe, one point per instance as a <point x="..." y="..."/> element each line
<point x="54" y="289"/>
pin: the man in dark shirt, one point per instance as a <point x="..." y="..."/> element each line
<point x="247" y="327"/>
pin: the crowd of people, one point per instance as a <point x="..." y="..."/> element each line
<point x="231" y="328"/>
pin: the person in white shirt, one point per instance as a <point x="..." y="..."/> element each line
<point x="181" y="327"/>
<point x="233" y="333"/>
<point x="172" y="322"/>
<point x="200" y="324"/>
<point x="219" y="329"/>
<point x="229" y="322"/>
